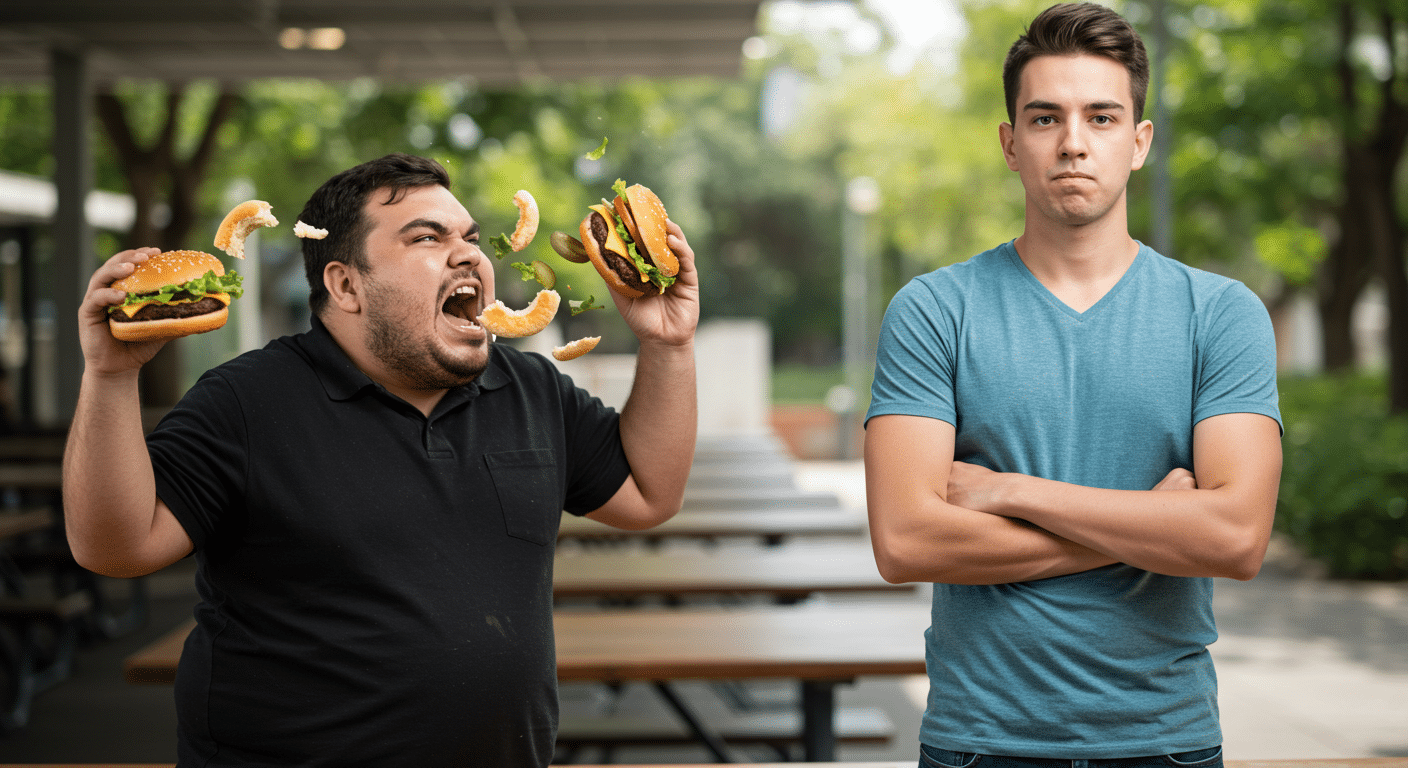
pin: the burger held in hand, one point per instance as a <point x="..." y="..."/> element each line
<point x="625" y="241"/>
<point x="172" y="294"/>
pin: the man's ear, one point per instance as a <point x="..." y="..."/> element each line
<point x="1143" y="140"/>
<point x="344" y="286"/>
<point x="1005" y="137"/>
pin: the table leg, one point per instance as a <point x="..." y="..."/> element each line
<point x="710" y="740"/>
<point x="819" y="720"/>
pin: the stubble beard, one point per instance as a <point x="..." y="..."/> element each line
<point x="416" y="357"/>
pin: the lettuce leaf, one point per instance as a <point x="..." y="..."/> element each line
<point x="578" y="307"/>
<point x="501" y="244"/>
<point x="230" y="282"/>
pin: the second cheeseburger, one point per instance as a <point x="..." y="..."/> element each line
<point x="172" y="294"/>
<point x="625" y="241"/>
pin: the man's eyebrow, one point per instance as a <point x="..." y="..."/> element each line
<point x="430" y="224"/>
<point x="1094" y="106"/>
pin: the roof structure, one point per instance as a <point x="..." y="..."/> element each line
<point x="495" y="42"/>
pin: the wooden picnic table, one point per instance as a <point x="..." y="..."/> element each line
<point x="757" y="498"/>
<point x="771" y="525"/>
<point x="786" y="573"/>
<point x="819" y="646"/>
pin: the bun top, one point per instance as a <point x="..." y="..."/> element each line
<point x="649" y="215"/>
<point x="169" y="268"/>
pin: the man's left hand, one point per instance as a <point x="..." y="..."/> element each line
<point x="974" y="487"/>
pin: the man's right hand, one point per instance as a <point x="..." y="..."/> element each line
<point x="102" y="353"/>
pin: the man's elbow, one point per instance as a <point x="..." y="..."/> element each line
<point x="109" y="564"/>
<point x="1246" y="562"/>
<point x="899" y="563"/>
<point x="1241" y="556"/>
<point x="640" y="518"/>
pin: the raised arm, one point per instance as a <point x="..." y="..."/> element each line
<point x="918" y="535"/>
<point x="1221" y="527"/>
<point x="116" y="525"/>
<point x="661" y="416"/>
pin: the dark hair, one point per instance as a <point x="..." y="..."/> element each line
<point x="338" y="206"/>
<point x="1069" y="29"/>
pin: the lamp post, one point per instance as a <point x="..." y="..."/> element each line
<point x="862" y="200"/>
<point x="1161" y="224"/>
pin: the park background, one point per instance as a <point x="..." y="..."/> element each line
<point x="855" y="148"/>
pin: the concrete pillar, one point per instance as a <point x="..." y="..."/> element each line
<point x="73" y="239"/>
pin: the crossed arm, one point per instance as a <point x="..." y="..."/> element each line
<point x="934" y="519"/>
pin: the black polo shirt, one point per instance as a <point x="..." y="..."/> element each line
<point x="376" y="586"/>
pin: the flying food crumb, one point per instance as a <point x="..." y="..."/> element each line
<point x="313" y="233"/>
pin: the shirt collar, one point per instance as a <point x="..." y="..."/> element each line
<point x="343" y="380"/>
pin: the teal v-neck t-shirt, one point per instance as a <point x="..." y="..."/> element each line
<point x="1111" y="662"/>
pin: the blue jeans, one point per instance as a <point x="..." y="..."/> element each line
<point x="931" y="757"/>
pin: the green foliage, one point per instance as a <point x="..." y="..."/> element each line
<point x="26" y="129"/>
<point x="1344" y="484"/>
<point x="1293" y="250"/>
<point x="794" y="384"/>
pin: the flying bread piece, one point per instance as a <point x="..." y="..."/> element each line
<point x="527" y="226"/>
<point x="513" y="324"/>
<point x="309" y="231"/>
<point x="575" y="349"/>
<point x="239" y="222"/>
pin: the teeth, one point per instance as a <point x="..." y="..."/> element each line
<point x="466" y="290"/>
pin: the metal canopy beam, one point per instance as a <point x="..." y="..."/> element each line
<point x="495" y="42"/>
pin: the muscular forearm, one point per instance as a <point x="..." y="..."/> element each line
<point x="659" y="422"/>
<point x="109" y="491"/>
<point x="1212" y="521"/>
<point x="933" y="541"/>
<point x="1200" y="532"/>
<point x="920" y="533"/>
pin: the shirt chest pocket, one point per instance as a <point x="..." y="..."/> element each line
<point x="527" y="488"/>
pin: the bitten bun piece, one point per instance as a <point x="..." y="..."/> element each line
<point x="239" y="222"/>
<point x="575" y="349"/>
<point x="499" y="320"/>
<point x="527" y="227"/>
<point x="152" y="315"/>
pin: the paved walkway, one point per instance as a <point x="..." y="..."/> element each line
<point x="1307" y="668"/>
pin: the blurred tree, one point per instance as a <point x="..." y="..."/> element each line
<point x="1374" y="131"/>
<point x="1289" y="122"/>
<point x="156" y="171"/>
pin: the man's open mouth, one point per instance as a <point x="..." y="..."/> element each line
<point x="462" y="307"/>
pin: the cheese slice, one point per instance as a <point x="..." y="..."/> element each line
<point x="131" y="309"/>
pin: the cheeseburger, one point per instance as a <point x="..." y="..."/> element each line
<point x="625" y="241"/>
<point x="171" y="294"/>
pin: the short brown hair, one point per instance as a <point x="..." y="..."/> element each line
<point x="1070" y="29"/>
<point x="337" y="207"/>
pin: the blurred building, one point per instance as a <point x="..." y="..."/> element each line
<point x="28" y="359"/>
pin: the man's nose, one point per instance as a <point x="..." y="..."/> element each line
<point x="466" y="254"/>
<point x="1073" y="141"/>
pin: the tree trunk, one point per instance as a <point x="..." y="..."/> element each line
<point x="149" y="170"/>
<point x="1371" y="238"/>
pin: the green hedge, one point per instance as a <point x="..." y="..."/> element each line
<point x="1344" y="485"/>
